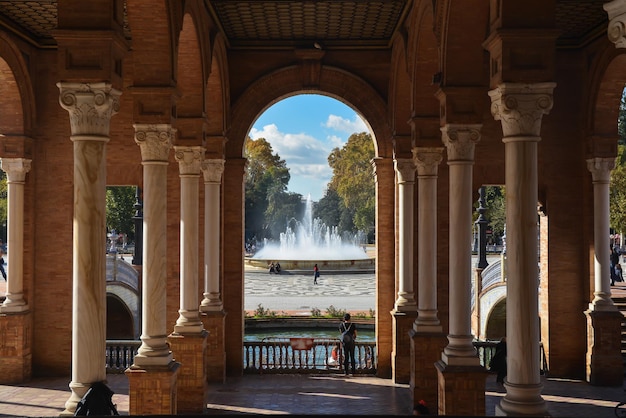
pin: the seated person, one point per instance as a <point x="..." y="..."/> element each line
<point x="333" y="360"/>
<point x="277" y="267"/>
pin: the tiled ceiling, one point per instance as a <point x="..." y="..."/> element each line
<point x="291" y="23"/>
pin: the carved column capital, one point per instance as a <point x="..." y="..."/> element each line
<point x="405" y="167"/>
<point x="155" y="141"/>
<point x="600" y="169"/>
<point x="189" y="159"/>
<point x="212" y="170"/>
<point x="427" y="160"/>
<point x="90" y="106"/>
<point x="616" y="30"/>
<point x="520" y="107"/>
<point x="460" y="140"/>
<point x="16" y="169"/>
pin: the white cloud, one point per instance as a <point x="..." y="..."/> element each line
<point x="345" y="125"/>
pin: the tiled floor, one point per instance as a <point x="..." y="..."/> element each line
<point x="311" y="395"/>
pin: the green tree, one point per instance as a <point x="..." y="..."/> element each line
<point x="268" y="205"/>
<point x="353" y="180"/>
<point x="617" y="194"/>
<point x="120" y="209"/>
<point x="329" y="208"/>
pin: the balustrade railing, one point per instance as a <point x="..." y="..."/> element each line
<point x="294" y="355"/>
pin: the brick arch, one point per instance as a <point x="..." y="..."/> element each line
<point x="217" y="109"/>
<point x="423" y="59"/>
<point x="190" y="71"/>
<point x="400" y="97"/>
<point x="18" y="111"/>
<point x="606" y="92"/>
<point x="333" y="82"/>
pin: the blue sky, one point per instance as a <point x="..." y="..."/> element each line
<point x="303" y="130"/>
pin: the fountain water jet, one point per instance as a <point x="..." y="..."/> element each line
<point x="310" y="241"/>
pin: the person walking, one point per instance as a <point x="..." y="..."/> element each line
<point x="2" y="270"/>
<point x="348" y="341"/>
<point x="614" y="259"/>
<point x="316" y="273"/>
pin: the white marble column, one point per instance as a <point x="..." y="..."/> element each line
<point x="16" y="169"/>
<point x="155" y="142"/>
<point x="90" y="107"/>
<point x="601" y="172"/>
<point x="460" y="142"/>
<point x="189" y="160"/>
<point x="616" y="30"/>
<point x="405" y="169"/>
<point x="212" y="170"/>
<point x="427" y="161"/>
<point x="520" y="108"/>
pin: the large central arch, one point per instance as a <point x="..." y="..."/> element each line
<point x="362" y="97"/>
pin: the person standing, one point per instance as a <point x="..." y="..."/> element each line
<point x="348" y="340"/>
<point x="316" y="273"/>
<point x="614" y="259"/>
<point x="2" y="270"/>
<point x="498" y="362"/>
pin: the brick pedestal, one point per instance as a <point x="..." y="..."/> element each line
<point x="215" y="349"/>
<point x="15" y="347"/>
<point x="426" y="349"/>
<point x="604" y="361"/>
<point x="461" y="389"/>
<point x="190" y="351"/>
<point x="401" y="354"/>
<point x="152" y="391"/>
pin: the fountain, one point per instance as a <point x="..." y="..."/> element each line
<point x="310" y="241"/>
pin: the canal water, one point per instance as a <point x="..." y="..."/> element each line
<point x="363" y="335"/>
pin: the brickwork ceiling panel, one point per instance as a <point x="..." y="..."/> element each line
<point x="292" y="23"/>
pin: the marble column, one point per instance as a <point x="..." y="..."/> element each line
<point x="604" y="361"/>
<point x="212" y="170"/>
<point x="212" y="306"/>
<point x="405" y="308"/>
<point x="189" y="161"/>
<point x="427" y="161"/>
<point x="405" y="169"/>
<point x="460" y="142"/>
<point x="427" y="337"/>
<point x="90" y="107"/>
<point x="600" y="169"/>
<point x="459" y="368"/>
<point x="154" y="372"/>
<point x="16" y="169"/>
<point x="616" y="30"/>
<point x="520" y="108"/>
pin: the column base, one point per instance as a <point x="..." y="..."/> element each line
<point x="215" y="350"/>
<point x="15" y="348"/>
<point x="604" y="363"/>
<point x="190" y="351"/>
<point x="461" y="389"/>
<point x="401" y="352"/>
<point x="522" y="400"/>
<point x="152" y="391"/>
<point x="425" y="352"/>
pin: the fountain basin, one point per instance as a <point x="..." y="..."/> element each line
<point x="361" y="264"/>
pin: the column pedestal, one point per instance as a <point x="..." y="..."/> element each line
<point x="15" y="348"/>
<point x="152" y="391"/>
<point x="425" y="352"/>
<point x="216" y="348"/>
<point x="604" y="361"/>
<point x="190" y="351"/>
<point x="401" y="355"/>
<point x="461" y="389"/>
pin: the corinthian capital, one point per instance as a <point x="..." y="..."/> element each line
<point x="405" y="169"/>
<point x="601" y="169"/>
<point x="16" y="169"/>
<point x="616" y="30"/>
<point x="520" y="107"/>
<point x="90" y="106"/>
<point x="212" y="170"/>
<point x="427" y="160"/>
<point x="460" y="140"/>
<point x="155" y="141"/>
<point x="189" y="159"/>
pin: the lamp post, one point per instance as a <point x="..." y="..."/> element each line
<point x="138" y="218"/>
<point x="482" y="230"/>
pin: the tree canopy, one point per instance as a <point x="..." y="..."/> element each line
<point x="120" y="209"/>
